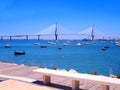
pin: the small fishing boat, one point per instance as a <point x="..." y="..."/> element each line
<point x="52" y="43"/>
<point x="19" y="53"/>
<point x="103" y="48"/>
<point x="37" y="43"/>
<point x="66" y="44"/>
<point x="59" y="48"/>
<point x="43" y="46"/>
<point x="7" y="46"/>
<point x="118" y="44"/>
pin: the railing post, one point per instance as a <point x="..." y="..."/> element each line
<point x="46" y="79"/>
<point x="105" y="87"/>
<point x="75" y="84"/>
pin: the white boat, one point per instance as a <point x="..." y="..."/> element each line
<point x="52" y="43"/>
<point x="78" y="44"/>
<point x="65" y="44"/>
<point x="117" y="44"/>
<point x="36" y="43"/>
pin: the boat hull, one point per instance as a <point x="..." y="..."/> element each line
<point x="19" y="53"/>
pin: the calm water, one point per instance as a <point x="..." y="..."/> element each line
<point x="85" y="58"/>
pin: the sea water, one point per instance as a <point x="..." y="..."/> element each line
<point x="86" y="58"/>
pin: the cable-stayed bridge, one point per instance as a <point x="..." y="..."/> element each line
<point x="93" y="33"/>
<point x="59" y="32"/>
<point x="56" y="31"/>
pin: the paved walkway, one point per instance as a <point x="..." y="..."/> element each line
<point x="25" y="73"/>
<point x="18" y="85"/>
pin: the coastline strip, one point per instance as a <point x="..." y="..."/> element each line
<point x="27" y="74"/>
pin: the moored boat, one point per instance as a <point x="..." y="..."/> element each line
<point x="7" y="46"/>
<point x="52" y="43"/>
<point x="59" y="48"/>
<point x="43" y="46"/>
<point x="118" y="44"/>
<point x="103" y="48"/>
<point x="78" y="44"/>
<point x="65" y="44"/>
<point x="19" y="52"/>
<point x="37" y="43"/>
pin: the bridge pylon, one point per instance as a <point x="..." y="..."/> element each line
<point x="92" y="33"/>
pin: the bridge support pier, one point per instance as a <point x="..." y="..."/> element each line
<point x="10" y="37"/>
<point x="26" y="37"/>
<point x="38" y="37"/>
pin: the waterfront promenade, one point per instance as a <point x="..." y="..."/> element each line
<point x="26" y="74"/>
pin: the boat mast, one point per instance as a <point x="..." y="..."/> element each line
<point x="92" y="34"/>
<point x="56" y="35"/>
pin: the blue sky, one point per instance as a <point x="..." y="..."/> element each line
<point x="31" y="16"/>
